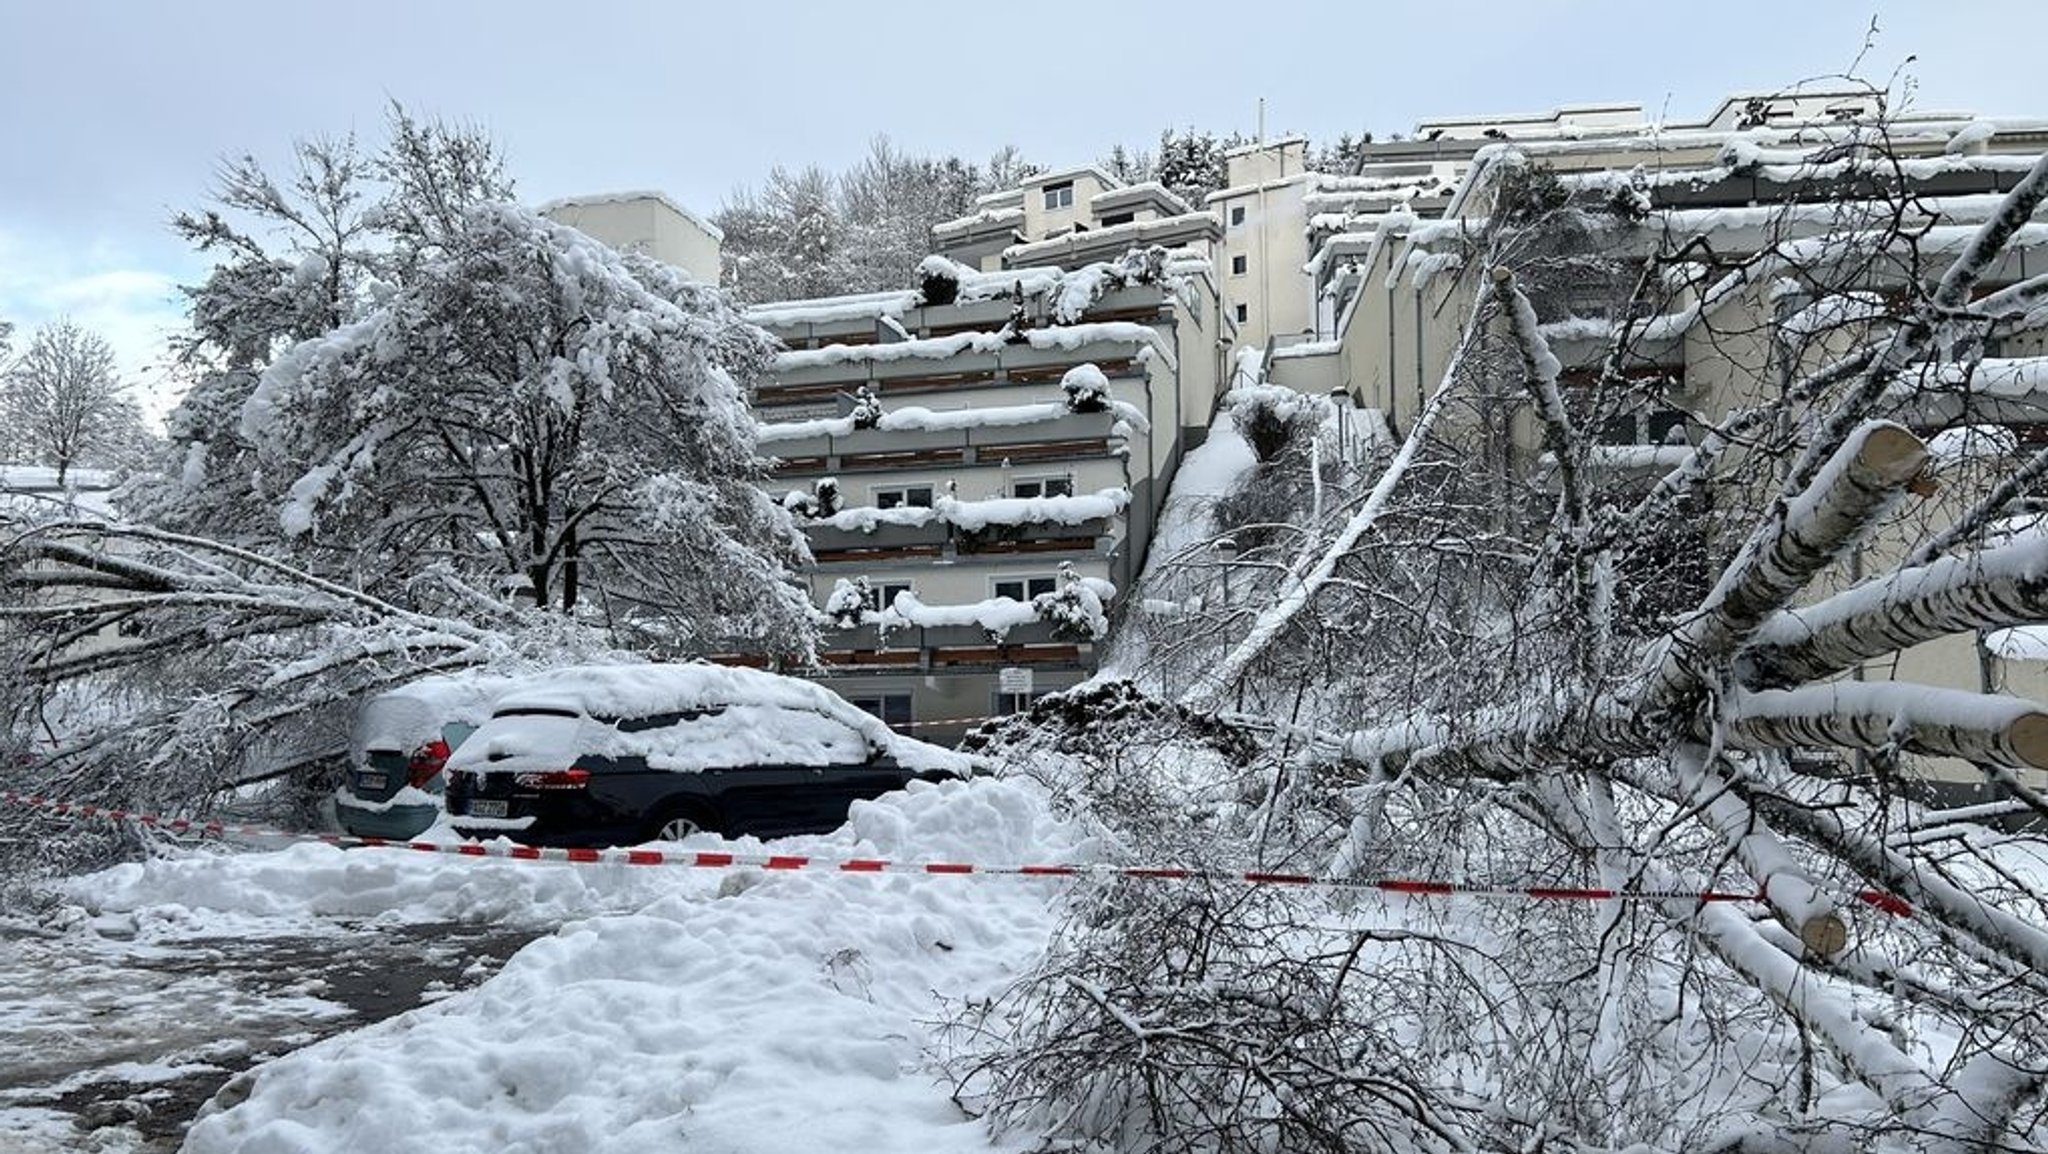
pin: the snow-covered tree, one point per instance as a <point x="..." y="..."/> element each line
<point x="64" y="405"/>
<point x="1191" y="163"/>
<point x="486" y="439"/>
<point x="810" y="233"/>
<point x="298" y="255"/>
<point x="532" y="409"/>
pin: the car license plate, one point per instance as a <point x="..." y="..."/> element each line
<point x="368" y="781"/>
<point x="486" y="807"/>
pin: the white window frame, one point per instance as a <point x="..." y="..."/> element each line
<point x="902" y="495"/>
<point x="1024" y="583"/>
<point x="1042" y="480"/>
<point x="882" y="594"/>
<point x="1240" y="265"/>
<point x="1237" y="216"/>
<point x="1058" y="196"/>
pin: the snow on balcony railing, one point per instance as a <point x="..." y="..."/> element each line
<point x="974" y="516"/>
<point x="1066" y="337"/>
<point x="2008" y="378"/>
<point x="975" y="287"/>
<point x="1079" y="604"/>
<point x="1290" y="345"/>
<point x="914" y="419"/>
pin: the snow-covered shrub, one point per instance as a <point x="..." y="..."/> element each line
<point x="1077" y="291"/>
<point x="825" y="499"/>
<point x="1142" y="265"/>
<point x="1281" y="426"/>
<point x="938" y="281"/>
<point x="848" y="603"/>
<point x="1075" y="607"/>
<point x="1086" y="389"/>
<point x="867" y="408"/>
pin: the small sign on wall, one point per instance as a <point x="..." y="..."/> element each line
<point x="1013" y="679"/>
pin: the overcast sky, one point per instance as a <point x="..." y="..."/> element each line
<point x="112" y="115"/>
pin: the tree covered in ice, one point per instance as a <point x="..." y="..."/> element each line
<point x="295" y="256"/>
<point x="432" y="430"/>
<point x="62" y="403"/>
<point x="811" y="233"/>
<point x="532" y="408"/>
<point x="1520" y="650"/>
<point x="1190" y="162"/>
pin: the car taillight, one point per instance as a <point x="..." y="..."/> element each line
<point x="426" y="761"/>
<point x="553" y="779"/>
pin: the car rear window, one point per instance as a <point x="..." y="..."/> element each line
<point x="664" y="720"/>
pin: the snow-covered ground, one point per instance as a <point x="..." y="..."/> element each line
<point x="669" y="1008"/>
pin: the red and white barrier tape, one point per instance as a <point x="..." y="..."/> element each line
<point x="932" y="723"/>
<point x="719" y="859"/>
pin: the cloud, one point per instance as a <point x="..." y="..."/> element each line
<point x="133" y="307"/>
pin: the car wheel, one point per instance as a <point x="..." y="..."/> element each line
<point x="678" y="822"/>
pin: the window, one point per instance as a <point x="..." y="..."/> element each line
<point x="882" y="596"/>
<point x="1025" y="588"/>
<point x="919" y="496"/>
<point x="1059" y="195"/>
<point x="1236" y="215"/>
<point x="1117" y="218"/>
<point x="892" y="708"/>
<point x="666" y="720"/>
<point x="1043" y="487"/>
<point x="1647" y="427"/>
<point x="1244" y="313"/>
<point x="1016" y="702"/>
<point x="1239" y="265"/>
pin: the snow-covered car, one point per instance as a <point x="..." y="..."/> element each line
<point x="619" y="754"/>
<point x="399" y="746"/>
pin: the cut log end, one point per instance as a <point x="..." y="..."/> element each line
<point x="2028" y="738"/>
<point x="1892" y="453"/>
<point x="1826" y="935"/>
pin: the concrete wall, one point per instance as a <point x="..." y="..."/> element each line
<point x="644" y="223"/>
<point x="1041" y="222"/>
<point x="1265" y="228"/>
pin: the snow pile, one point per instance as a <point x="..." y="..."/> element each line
<point x="767" y="1013"/>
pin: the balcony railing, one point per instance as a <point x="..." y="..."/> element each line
<point x="1069" y="436"/>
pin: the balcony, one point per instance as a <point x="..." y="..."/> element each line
<point x="953" y="648"/>
<point x="938" y="366"/>
<point x="941" y="544"/>
<point x="1062" y="435"/>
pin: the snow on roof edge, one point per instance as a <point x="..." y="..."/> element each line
<point x="627" y="197"/>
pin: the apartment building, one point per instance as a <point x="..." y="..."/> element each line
<point x="644" y="222"/>
<point x="1783" y="178"/>
<point x="978" y="468"/>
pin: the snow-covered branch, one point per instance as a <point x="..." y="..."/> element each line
<point x="2006" y="585"/>
<point x="1862" y="481"/>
